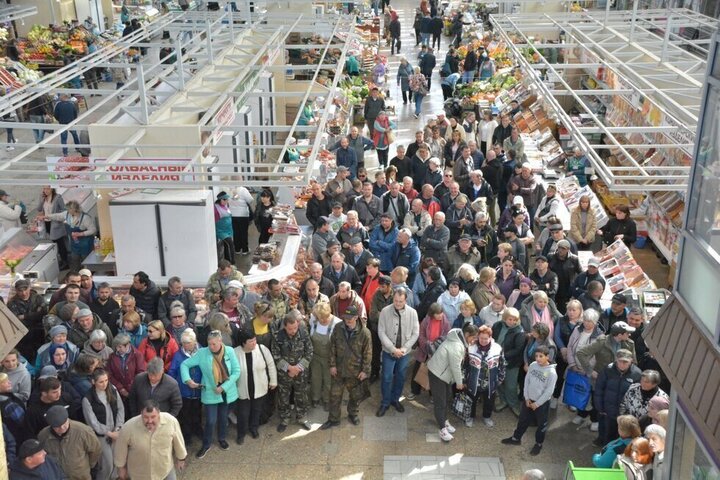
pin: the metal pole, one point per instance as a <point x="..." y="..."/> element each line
<point x="52" y="11"/>
<point x="666" y="40"/>
<point x="179" y="61"/>
<point x="633" y="21"/>
<point x="208" y="38"/>
<point x="143" y="95"/>
<point x="607" y="12"/>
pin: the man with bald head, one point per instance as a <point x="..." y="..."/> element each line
<point x="327" y="287"/>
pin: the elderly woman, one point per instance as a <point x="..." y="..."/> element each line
<point x="158" y="343"/>
<point x="97" y="346"/>
<point x="485" y="373"/>
<point x="433" y="329"/>
<point x="220" y="322"/>
<point x="220" y="373"/>
<point x="583" y="224"/>
<point x="191" y="412"/>
<point x="132" y="326"/>
<point x="124" y="365"/>
<point x="486" y="289"/>
<point x="581" y="336"/>
<point x="382" y="128"/>
<point x="58" y="338"/>
<point x="444" y="370"/>
<point x="80" y="229"/>
<point x="628" y="429"/>
<point x="561" y="336"/>
<point x="258" y="375"/>
<point x="656" y="405"/>
<point x="321" y="325"/>
<point x="51" y="202"/>
<point x="419" y="86"/>
<point x="540" y="309"/>
<point x="178" y="322"/>
<point x="468" y="277"/>
<point x="638" y="396"/>
<point x="104" y="412"/>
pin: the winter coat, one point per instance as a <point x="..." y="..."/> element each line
<point x="77" y="451"/>
<point x="368" y="211"/>
<point x="526" y="314"/>
<point x="20" y="381"/>
<point x="455" y="258"/>
<point x="187" y="300"/>
<point x="572" y="345"/>
<point x="514" y="344"/>
<point x="603" y="352"/>
<point x="482" y="295"/>
<point x="48" y="470"/>
<point x="566" y="269"/>
<point x="609" y="453"/>
<point x="32" y="310"/>
<point x="347" y="274"/>
<point x="195" y="373"/>
<point x="78" y="336"/>
<point x="166" y="393"/>
<point x="627" y="228"/>
<point x="373" y="108"/>
<point x="425" y="347"/>
<point x="633" y="402"/>
<point x="446" y="363"/>
<point x="10" y="217"/>
<point x="136" y="336"/>
<point x="577" y="233"/>
<point x="403" y="76"/>
<point x="43" y="355"/>
<point x="147" y="299"/>
<point x="317" y="208"/>
<point x="408" y="257"/>
<point x="485" y="370"/>
<point x="382" y="244"/>
<point x="204" y="359"/>
<point x="580" y="283"/>
<point x="434" y="243"/>
<point x="430" y="295"/>
<point x="167" y="350"/>
<point x="345" y="234"/>
<point x="379" y="301"/>
<point x="122" y="374"/>
<point x="350" y="350"/>
<point x="611" y="386"/>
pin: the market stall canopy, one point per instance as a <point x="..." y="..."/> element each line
<point x="645" y="68"/>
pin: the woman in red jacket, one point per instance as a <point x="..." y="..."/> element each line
<point x="158" y="344"/>
<point x="123" y="365"/>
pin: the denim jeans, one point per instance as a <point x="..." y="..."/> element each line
<point x="418" y="102"/>
<point x="393" y="377"/>
<point x="468" y="77"/>
<point x="39" y="134"/>
<point x="425" y="38"/>
<point x="63" y="139"/>
<point x="215" y="414"/>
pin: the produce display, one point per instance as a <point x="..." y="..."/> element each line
<point x="355" y="89"/>
<point x="486" y="89"/>
<point x="48" y="46"/>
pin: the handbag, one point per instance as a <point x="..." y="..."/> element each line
<point x="577" y="390"/>
<point x="461" y="405"/>
<point x="390" y="135"/>
<point x="421" y="377"/>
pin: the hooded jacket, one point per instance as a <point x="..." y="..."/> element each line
<point x="446" y="363"/>
<point x="540" y="382"/>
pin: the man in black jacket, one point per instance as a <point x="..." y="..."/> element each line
<point x="414" y="146"/>
<point x="373" y="106"/>
<point x="318" y="206"/>
<point x="155" y="384"/>
<point x="146" y="294"/>
<point x="435" y="288"/>
<point x="394" y="28"/>
<point x="436" y="28"/>
<point x="358" y="257"/>
<point x="610" y="387"/>
<point x="427" y="64"/>
<point x="566" y="265"/>
<point x="502" y="131"/>
<point x="327" y="287"/>
<point x="339" y="271"/>
<point x="582" y="281"/>
<point x="492" y="172"/>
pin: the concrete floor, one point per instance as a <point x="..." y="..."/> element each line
<point x="364" y="451"/>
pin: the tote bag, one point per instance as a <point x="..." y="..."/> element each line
<point x="577" y="390"/>
<point x="421" y="377"/>
<point x="461" y="406"/>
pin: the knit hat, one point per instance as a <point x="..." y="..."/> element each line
<point x="526" y="281"/>
<point x="57" y="330"/>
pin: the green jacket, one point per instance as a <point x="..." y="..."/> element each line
<point x="379" y="301"/>
<point x="215" y="286"/>
<point x="351" y="352"/>
<point x="204" y="359"/>
<point x="287" y="350"/>
<point x="602" y="352"/>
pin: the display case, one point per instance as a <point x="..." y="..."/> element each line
<point x="21" y="253"/>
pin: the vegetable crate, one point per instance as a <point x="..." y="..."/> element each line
<point x="581" y="473"/>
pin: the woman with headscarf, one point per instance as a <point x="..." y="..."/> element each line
<point x="258" y="376"/>
<point x="191" y="412"/>
<point x="220" y="373"/>
<point x="80" y="230"/>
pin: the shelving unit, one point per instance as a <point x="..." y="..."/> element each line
<point x="637" y="68"/>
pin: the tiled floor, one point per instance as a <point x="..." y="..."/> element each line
<point x="455" y="467"/>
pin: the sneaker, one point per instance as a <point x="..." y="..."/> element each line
<point x="553" y="403"/>
<point x="445" y="436"/>
<point x="469" y="422"/>
<point x="594" y="426"/>
<point x="202" y="452"/>
<point x="416" y="115"/>
<point x="572" y="409"/>
<point x="489" y="422"/>
<point x="536" y="449"/>
<point x="578" y="420"/>
<point x="510" y="441"/>
<point x="449" y="427"/>
<point x="410" y="396"/>
<point x="223" y="444"/>
<point x="11" y="148"/>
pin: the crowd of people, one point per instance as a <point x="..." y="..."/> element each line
<point x="452" y="259"/>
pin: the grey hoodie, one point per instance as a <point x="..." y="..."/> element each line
<point x="540" y="383"/>
<point x="20" y="381"/>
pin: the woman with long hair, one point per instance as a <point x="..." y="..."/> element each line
<point x="433" y="328"/>
<point x="508" y="278"/>
<point x="224" y="228"/>
<point x="485" y="289"/>
<point x="622" y="227"/>
<point x="637" y="460"/>
<point x="50" y="203"/>
<point x="263" y="215"/>
<point x="583" y="224"/>
<point x="158" y="343"/>
<point x="104" y="412"/>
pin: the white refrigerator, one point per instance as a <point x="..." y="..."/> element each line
<point x="163" y="234"/>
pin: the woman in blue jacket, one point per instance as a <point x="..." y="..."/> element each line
<point x="220" y="373"/>
<point x="628" y="428"/>
<point x="191" y="412"/>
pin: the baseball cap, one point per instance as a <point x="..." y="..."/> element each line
<point x="56" y="416"/>
<point x="323" y="221"/>
<point x="342" y="168"/>
<point x="336" y="205"/>
<point x="384" y="280"/>
<point x="29" y="448"/>
<point x="563" y="244"/>
<point x="47" y="372"/>
<point x="541" y="258"/>
<point x="85" y="273"/>
<point x="235" y="284"/>
<point x="350" y="312"/>
<point x="3" y="193"/>
<point x="624" y="354"/>
<point x="22" y="285"/>
<point x="465" y="236"/>
<point x="223" y="196"/>
<point x="621" y="327"/>
<point x="619" y="298"/>
<point x="518" y="199"/>
<point x="593" y="262"/>
<point x="354" y="240"/>
<point x="332" y="242"/>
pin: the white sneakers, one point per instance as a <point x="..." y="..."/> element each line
<point x="578" y="420"/>
<point x="553" y="403"/>
<point x="469" y="422"/>
<point x="445" y="435"/>
<point x="449" y="427"/>
<point x="489" y="422"/>
<point x="594" y="426"/>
